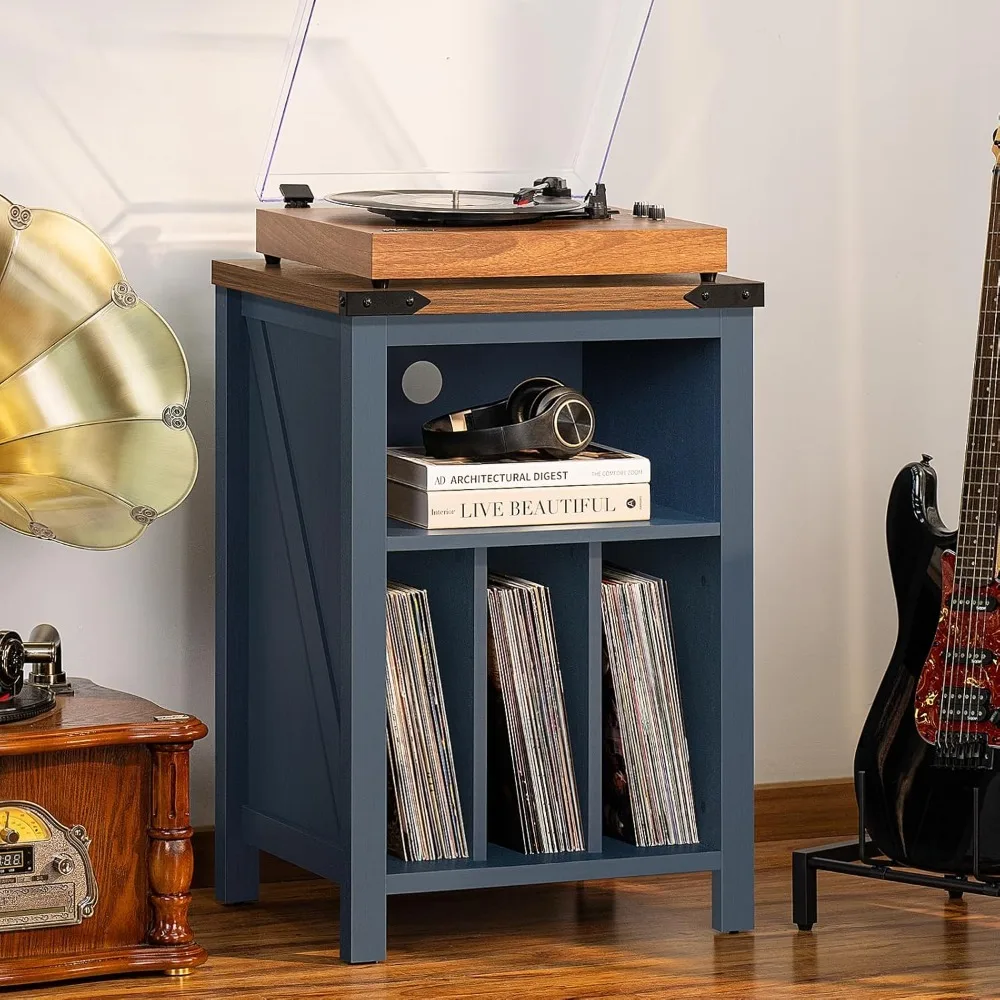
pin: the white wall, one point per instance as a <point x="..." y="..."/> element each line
<point x="846" y="147"/>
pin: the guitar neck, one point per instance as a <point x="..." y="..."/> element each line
<point x="979" y="520"/>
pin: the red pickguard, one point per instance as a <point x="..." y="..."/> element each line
<point x="978" y="630"/>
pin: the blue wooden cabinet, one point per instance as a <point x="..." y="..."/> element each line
<point x="307" y="400"/>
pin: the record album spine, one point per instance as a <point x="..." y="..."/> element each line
<point x="518" y="508"/>
<point x="512" y="475"/>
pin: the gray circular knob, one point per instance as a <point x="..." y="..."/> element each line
<point x="64" y="864"/>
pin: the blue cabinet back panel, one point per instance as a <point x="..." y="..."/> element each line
<point x="471" y="375"/>
<point x="661" y="399"/>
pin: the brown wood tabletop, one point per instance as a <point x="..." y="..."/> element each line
<point x="629" y="938"/>
<point x="305" y="285"/>
<point x="358" y="242"/>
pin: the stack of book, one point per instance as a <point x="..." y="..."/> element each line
<point x="648" y="799"/>
<point x="425" y="815"/>
<point x="533" y="803"/>
<point x="599" y="484"/>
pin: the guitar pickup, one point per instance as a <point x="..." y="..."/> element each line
<point x="972" y="602"/>
<point x="965" y="656"/>
<point x="965" y="704"/>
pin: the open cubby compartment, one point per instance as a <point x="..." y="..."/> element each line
<point x="655" y="397"/>
<point x="691" y="569"/>
<point x="566" y="571"/>
<point x="454" y="584"/>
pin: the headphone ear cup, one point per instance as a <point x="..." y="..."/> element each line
<point x="524" y="395"/>
<point x="546" y="399"/>
<point x="573" y="420"/>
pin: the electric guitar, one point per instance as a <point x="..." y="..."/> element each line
<point x="932" y="736"/>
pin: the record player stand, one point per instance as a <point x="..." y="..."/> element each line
<point x="308" y="396"/>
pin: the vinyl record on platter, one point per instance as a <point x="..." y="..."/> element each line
<point x="458" y="208"/>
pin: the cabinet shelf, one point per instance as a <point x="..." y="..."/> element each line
<point x="665" y="523"/>
<point x="502" y="866"/>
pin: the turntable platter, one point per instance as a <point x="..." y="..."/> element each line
<point x="457" y="208"/>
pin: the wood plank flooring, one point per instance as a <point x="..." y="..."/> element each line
<point x="629" y="938"/>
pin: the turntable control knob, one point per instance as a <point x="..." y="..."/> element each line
<point x="64" y="864"/>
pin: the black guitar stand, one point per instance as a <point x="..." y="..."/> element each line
<point x="855" y="857"/>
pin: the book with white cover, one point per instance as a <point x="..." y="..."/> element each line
<point x="517" y="508"/>
<point x="597" y="465"/>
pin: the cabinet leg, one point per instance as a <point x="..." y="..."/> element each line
<point x="237" y="865"/>
<point x="171" y="857"/>
<point x="803" y="891"/>
<point x="362" y="926"/>
<point x="362" y="638"/>
<point x="732" y="898"/>
<point x="732" y="886"/>
<point x="237" y="870"/>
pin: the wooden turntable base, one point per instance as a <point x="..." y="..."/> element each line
<point x="356" y="242"/>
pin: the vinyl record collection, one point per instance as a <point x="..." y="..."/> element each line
<point x="533" y="803"/>
<point x="648" y="799"/>
<point x="425" y="815"/>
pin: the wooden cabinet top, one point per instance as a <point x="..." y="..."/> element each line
<point x="331" y="291"/>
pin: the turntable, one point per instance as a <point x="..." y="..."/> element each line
<point x="416" y="166"/>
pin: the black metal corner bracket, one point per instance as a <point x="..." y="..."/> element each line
<point x="726" y="293"/>
<point x="382" y="302"/>
<point x="856" y="857"/>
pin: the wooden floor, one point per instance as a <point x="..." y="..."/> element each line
<point x="630" y="938"/>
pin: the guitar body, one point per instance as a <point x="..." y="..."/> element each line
<point x="917" y="811"/>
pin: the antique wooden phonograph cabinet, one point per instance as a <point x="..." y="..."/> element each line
<point x="96" y="859"/>
<point x="312" y="340"/>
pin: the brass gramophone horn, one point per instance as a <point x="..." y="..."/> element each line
<point x="94" y="442"/>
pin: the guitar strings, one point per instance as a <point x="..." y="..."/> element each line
<point x="988" y="531"/>
<point x="950" y="670"/>
<point x="984" y="528"/>
<point x="969" y="549"/>
<point x="986" y="371"/>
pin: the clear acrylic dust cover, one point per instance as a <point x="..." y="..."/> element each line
<point x="481" y="95"/>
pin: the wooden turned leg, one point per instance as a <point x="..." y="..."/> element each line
<point x="171" y="855"/>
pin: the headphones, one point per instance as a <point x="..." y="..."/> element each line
<point x="540" y="414"/>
